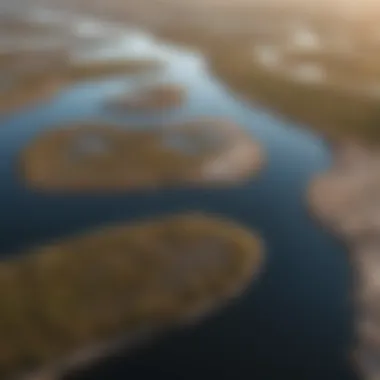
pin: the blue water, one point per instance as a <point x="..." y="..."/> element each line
<point x="296" y="322"/>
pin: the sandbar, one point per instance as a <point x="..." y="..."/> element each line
<point x="112" y="158"/>
<point x="75" y="300"/>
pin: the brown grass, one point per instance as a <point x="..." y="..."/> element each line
<point x="33" y="86"/>
<point x="32" y="89"/>
<point x="326" y="108"/>
<point x="329" y="109"/>
<point x="92" y="70"/>
<point x="359" y="67"/>
<point x="152" y="98"/>
<point x="66" y="296"/>
<point x="133" y="159"/>
<point x="6" y="59"/>
<point x="23" y="28"/>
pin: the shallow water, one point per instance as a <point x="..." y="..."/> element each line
<point x="296" y="321"/>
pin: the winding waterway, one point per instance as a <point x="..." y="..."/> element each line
<point x="296" y="323"/>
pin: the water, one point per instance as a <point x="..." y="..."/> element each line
<point x="296" y="322"/>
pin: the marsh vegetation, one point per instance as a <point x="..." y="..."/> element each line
<point x="102" y="158"/>
<point x="150" y="98"/>
<point x="59" y="299"/>
<point x="33" y="78"/>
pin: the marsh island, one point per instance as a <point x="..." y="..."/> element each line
<point x="110" y="158"/>
<point x="72" y="301"/>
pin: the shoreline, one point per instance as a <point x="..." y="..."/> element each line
<point x="351" y="188"/>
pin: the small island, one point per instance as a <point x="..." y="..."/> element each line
<point x="157" y="97"/>
<point x="73" y="301"/>
<point x="345" y="199"/>
<point x="113" y="158"/>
